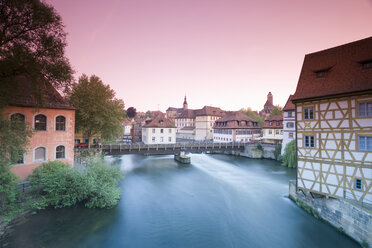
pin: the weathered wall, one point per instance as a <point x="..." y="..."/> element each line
<point x="251" y="151"/>
<point x="352" y="219"/>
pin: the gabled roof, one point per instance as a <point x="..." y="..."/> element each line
<point x="174" y="109"/>
<point x="289" y="105"/>
<point x="209" y="111"/>
<point x="187" y="114"/>
<point x="343" y="71"/>
<point x="160" y="121"/>
<point x="25" y="96"/>
<point x="231" y="118"/>
<point x="275" y="118"/>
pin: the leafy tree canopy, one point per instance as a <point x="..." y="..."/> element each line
<point x="276" y="111"/>
<point x="289" y="156"/>
<point x="98" y="111"/>
<point x="131" y="112"/>
<point x="32" y="43"/>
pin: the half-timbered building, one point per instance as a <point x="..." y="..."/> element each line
<point x="333" y="103"/>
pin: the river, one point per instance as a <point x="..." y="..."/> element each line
<point x="218" y="201"/>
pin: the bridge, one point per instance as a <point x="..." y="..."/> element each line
<point x="152" y="149"/>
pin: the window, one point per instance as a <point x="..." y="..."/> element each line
<point x="276" y="131"/>
<point x="365" y="143"/>
<point x="270" y="123"/>
<point x="153" y="130"/>
<point x="170" y="139"/>
<point x="309" y="141"/>
<point x="365" y="109"/>
<point x="290" y="114"/>
<point x="153" y="139"/>
<point x="320" y="74"/>
<point x="40" y="122"/>
<point x="161" y="130"/>
<point x="278" y="123"/>
<point x="17" y="117"/>
<point x="170" y="130"/>
<point x="358" y="184"/>
<point x="60" y="123"/>
<point x="290" y="135"/>
<point x="161" y="139"/>
<point x="290" y="124"/>
<point x="367" y="64"/>
<point x="308" y="113"/>
<point x="60" y="152"/>
<point x="270" y="131"/>
<point x="40" y="154"/>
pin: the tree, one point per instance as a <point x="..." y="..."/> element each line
<point x="32" y="43"/>
<point x="289" y="156"/>
<point x="131" y="112"/>
<point x="149" y="114"/>
<point x="253" y="115"/>
<point x="276" y="111"/>
<point x="98" y="111"/>
<point x="13" y="140"/>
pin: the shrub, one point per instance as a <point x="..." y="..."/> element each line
<point x="62" y="186"/>
<point x="259" y="147"/>
<point x="8" y="188"/>
<point x="289" y="156"/>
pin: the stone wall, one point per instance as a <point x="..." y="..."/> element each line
<point x="251" y="151"/>
<point x="346" y="216"/>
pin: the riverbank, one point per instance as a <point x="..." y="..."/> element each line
<point x="350" y="219"/>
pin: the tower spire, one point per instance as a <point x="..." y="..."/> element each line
<point x="185" y="105"/>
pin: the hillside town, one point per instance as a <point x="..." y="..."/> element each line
<point x="322" y="135"/>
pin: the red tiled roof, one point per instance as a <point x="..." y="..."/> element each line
<point x="210" y="111"/>
<point x="343" y="71"/>
<point x="274" y="119"/>
<point x="160" y="121"/>
<point x="289" y="105"/>
<point x="187" y="114"/>
<point x="232" y="117"/>
<point x="26" y="95"/>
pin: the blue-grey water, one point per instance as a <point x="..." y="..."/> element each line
<point x="218" y="201"/>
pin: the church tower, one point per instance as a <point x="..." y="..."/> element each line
<point x="270" y="98"/>
<point x="185" y="106"/>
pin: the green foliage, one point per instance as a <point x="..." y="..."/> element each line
<point x="98" y="111"/>
<point x="131" y="112"/>
<point x="277" y="152"/>
<point x="308" y="209"/>
<point x="62" y="186"/>
<point x="289" y="157"/>
<point x="8" y="188"/>
<point x="259" y="147"/>
<point x="276" y="111"/>
<point x="254" y="116"/>
<point x="32" y="43"/>
<point x="364" y="244"/>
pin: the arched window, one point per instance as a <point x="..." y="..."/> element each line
<point x="60" y="152"/>
<point x="40" y="122"/>
<point x="40" y="154"/>
<point x="60" y="123"/>
<point x="17" y="117"/>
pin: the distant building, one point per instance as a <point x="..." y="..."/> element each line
<point x="159" y="130"/>
<point x="235" y="127"/>
<point x="127" y="127"/>
<point x="172" y="112"/>
<point x="53" y="126"/>
<point x="333" y="103"/>
<point x="197" y="124"/>
<point x="268" y="106"/>
<point x="272" y="131"/>
<point x="80" y="138"/>
<point x="289" y="123"/>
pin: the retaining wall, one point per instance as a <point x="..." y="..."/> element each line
<point x="348" y="217"/>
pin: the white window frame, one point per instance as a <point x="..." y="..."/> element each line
<point x="46" y="154"/>
<point x="55" y="123"/>
<point x="366" y="114"/>
<point x="33" y="122"/>
<point x="361" y="184"/>
<point x="55" y="152"/>
<point x="308" y="111"/>
<point x="365" y="145"/>
<point x="310" y="141"/>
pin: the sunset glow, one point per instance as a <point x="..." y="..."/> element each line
<point x="227" y="54"/>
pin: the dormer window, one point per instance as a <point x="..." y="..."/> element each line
<point x="322" y="73"/>
<point x="367" y="64"/>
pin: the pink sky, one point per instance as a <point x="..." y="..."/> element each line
<point x="224" y="53"/>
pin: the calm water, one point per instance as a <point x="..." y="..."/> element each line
<point x="219" y="201"/>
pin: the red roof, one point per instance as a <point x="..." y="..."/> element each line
<point x="289" y="105"/>
<point x="342" y="69"/>
<point x="210" y="111"/>
<point x="26" y="95"/>
<point x="232" y="118"/>
<point x="276" y="119"/>
<point x="160" y="121"/>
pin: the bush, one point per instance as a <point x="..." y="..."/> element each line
<point x="259" y="147"/>
<point x="289" y="156"/>
<point x="62" y="186"/>
<point x="8" y="189"/>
